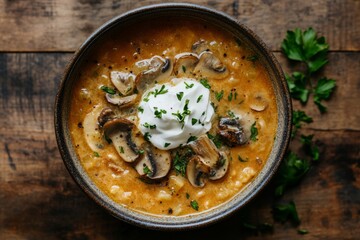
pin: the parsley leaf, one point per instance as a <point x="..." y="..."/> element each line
<point x="193" y="121"/>
<point x="161" y="91"/>
<point x="147" y="136"/>
<point x="159" y="113"/>
<point x="292" y="169"/>
<point x="323" y="91"/>
<point x="310" y="147"/>
<point x="151" y="126"/>
<point x="253" y="58"/>
<point x="167" y="144"/>
<point x="147" y="170"/>
<point x="194" y="204"/>
<point x="187" y="86"/>
<point x="205" y="83"/>
<point x="180" y="95"/>
<point x="230" y="96"/>
<point x="284" y="212"/>
<point x="297" y="86"/>
<point x="108" y="90"/>
<point x="298" y="118"/>
<point x="219" y="95"/>
<point x="181" y="161"/>
<point x="96" y="154"/>
<point x="191" y="138"/>
<point x="199" y="98"/>
<point x="307" y="47"/>
<point x="216" y="140"/>
<point x="254" y="132"/>
<point x="140" y="109"/>
<point x="183" y="68"/>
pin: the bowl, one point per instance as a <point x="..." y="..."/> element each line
<point x="213" y="215"/>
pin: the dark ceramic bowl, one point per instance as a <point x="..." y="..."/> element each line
<point x="227" y="23"/>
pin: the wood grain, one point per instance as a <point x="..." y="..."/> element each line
<point x="62" y="25"/>
<point x="39" y="200"/>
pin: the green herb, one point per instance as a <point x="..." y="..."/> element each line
<point x="159" y="112"/>
<point x="121" y="149"/>
<point x="147" y="170"/>
<point x="254" y="132"/>
<point x="284" y="212"/>
<point x="193" y="121"/>
<point x="303" y="231"/>
<point x="167" y="144"/>
<point x="205" y="83"/>
<point x="108" y="90"/>
<point x="310" y="147"/>
<point x="186" y="112"/>
<point x="147" y="136"/>
<point x="180" y="95"/>
<point x="187" y="86"/>
<point x="297" y="86"/>
<point x="140" y="151"/>
<point x="253" y="58"/>
<point x="230" y="96"/>
<point x="298" y="118"/>
<point x="307" y="48"/>
<point x="199" y="98"/>
<point x="194" y="204"/>
<point x="183" y="68"/>
<point x="291" y="171"/>
<point x="161" y="91"/>
<point x="242" y="160"/>
<point x="147" y="125"/>
<point x="180" y="163"/>
<point x="323" y="91"/>
<point x="96" y="154"/>
<point x="187" y="195"/>
<point x="231" y="114"/>
<point x="216" y="140"/>
<point x="191" y="138"/>
<point x="219" y="95"/>
<point x="235" y="95"/>
<point x="140" y="109"/>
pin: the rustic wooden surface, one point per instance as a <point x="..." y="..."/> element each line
<point x="38" y="198"/>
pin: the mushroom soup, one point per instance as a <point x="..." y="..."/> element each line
<point x="174" y="117"/>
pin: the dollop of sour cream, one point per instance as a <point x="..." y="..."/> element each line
<point x="173" y="113"/>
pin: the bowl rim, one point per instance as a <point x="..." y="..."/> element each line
<point x="192" y="221"/>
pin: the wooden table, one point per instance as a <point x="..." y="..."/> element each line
<point x="39" y="199"/>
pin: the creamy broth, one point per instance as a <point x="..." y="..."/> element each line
<point x="247" y="95"/>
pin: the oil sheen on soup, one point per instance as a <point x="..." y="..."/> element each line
<point x="172" y="117"/>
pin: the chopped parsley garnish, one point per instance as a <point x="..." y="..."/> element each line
<point x="187" y="195"/>
<point x="140" y="151"/>
<point x="140" y="109"/>
<point x="194" y="204"/>
<point x="231" y="114"/>
<point x="183" y="68"/>
<point x="254" y="132"/>
<point x="167" y="144"/>
<point x="161" y="91"/>
<point x="188" y="85"/>
<point x="284" y="212"/>
<point x="216" y="140"/>
<point x="205" y="83"/>
<point x="242" y="160"/>
<point x="199" y="98"/>
<point x="180" y="163"/>
<point x="186" y="112"/>
<point x="253" y="58"/>
<point x="180" y="95"/>
<point x="323" y="91"/>
<point x="151" y="126"/>
<point x="121" y="149"/>
<point x="108" y="90"/>
<point x="191" y="138"/>
<point x="219" y="95"/>
<point x="147" y="136"/>
<point x="235" y="95"/>
<point x="147" y="170"/>
<point x="159" y="112"/>
<point x="96" y="154"/>
<point x="193" y="121"/>
<point x="298" y="118"/>
<point x="230" y="96"/>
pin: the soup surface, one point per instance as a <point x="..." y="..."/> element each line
<point x="172" y="117"/>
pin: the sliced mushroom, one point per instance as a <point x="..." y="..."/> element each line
<point x="258" y="103"/>
<point x="231" y="132"/>
<point x="185" y="63"/>
<point x="121" y="101"/>
<point x="206" y="149"/>
<point x="119" y="130"/>
<point x="158" y="70"/>
<point x="155" y="163"/>
<point x="220" y="168"/>
<point x="92" y="134"/>
<point x="106" y="115"/>
<point x="211" y="66"/>
<point x="124" y="82"/>
<point x="197" y="171"/>
<point x="200" y="46"/>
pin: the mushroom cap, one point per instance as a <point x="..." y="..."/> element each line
<point x="122" y="102"/>
<point x="185" y="63"/>
<point x="124" y="82"/>
<point x="106" y="115"/>
<point x="220" y="168"/>
<point x="91" y="129"/>
<point x="196" y="171"/>
<point x="231" y="132"/>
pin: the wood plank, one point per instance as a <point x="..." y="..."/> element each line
<point x="62" y="25"/>
<point x="39" y="200"/>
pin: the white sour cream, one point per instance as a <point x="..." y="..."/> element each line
<point x="161" y="112"/>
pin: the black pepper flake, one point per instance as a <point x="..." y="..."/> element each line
<point x="225" y="55"/>
<point x="243" y="57"/>
<point x="170" y="211"/>
<point x="80" y="125"/>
